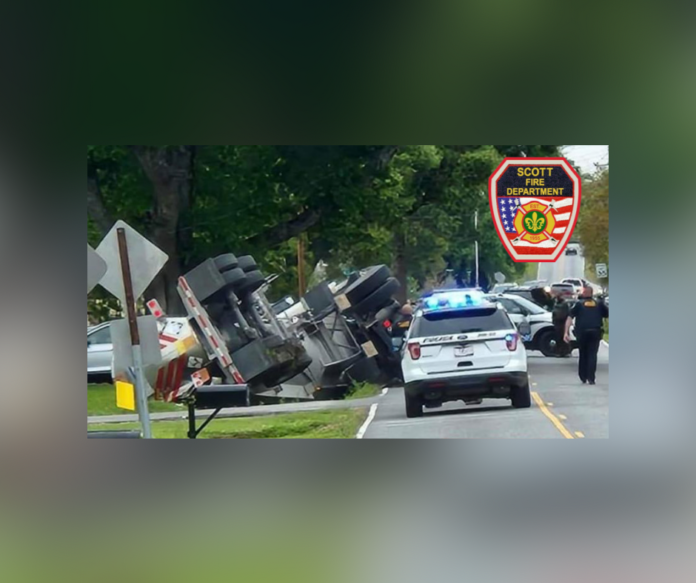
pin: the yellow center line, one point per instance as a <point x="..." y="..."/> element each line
<point x="551" y="416"/>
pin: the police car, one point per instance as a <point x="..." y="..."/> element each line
<point x="461" y="347"/>
<point x="542" y="335"/>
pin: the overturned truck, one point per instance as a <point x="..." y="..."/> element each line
<point x="334" y="336"/>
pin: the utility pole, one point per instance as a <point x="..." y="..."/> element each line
<point x="476" y="247"/>
<point x="300" y="265"/>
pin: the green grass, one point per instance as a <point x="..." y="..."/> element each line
<point x="339" y="424"/>
<point x="606" y="331"/>
<point x="362" y="391"/>
<point x="101" y="400"/>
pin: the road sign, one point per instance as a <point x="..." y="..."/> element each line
<point x="601" y="270"/>
<point x="146" y="260"/>
<point x="535" y="204"/>
<point x="96" y="268"/>
<point x="499" y="277"/>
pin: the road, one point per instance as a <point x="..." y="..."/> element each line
<point x="562" y="407"/>
<point x="564" y="266"/>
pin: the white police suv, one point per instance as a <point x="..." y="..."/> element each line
<point x="462" y="347"/>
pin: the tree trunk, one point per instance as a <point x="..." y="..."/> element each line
<point x="170" y="171"/>
<point x="400" y="270"/>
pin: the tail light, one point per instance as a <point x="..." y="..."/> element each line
<point x="511" y="342"/>
<point x="386" y="323"/>
<point x="414" y="350"/>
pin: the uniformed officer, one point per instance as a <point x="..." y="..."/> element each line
<point x="561" y="311"/>
<point x="589" y="315"/>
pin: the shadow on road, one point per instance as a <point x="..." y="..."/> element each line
<point x="463" y="410"/>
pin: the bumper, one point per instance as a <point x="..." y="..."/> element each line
<point x="486" y="385"/>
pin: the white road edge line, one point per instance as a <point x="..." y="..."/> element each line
<point x="370" y="417"/>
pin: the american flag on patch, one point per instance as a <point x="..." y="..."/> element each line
<point x="508" y="208"/>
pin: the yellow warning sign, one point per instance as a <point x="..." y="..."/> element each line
<point x="125" y="395"/>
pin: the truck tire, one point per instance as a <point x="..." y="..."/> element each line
<point x="388" y="312"/>
<point x="234" y="277"/>
<point x="520" y="396"/>
<point x="373" y="278"/>
<point x="225" y="262"/>
<point x="378" y="298"/>
<point x="254" y="280"/>
<point x="414" y="406"/>
<point x="247" y="263"/>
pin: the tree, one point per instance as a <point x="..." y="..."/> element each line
<point x="116" y="182"/>
<point x="593" y="224"/>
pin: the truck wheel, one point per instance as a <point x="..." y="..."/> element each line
<point x="546" y="342"/>
<point x="254" y="280"/>
<point x="377" y="298"/>
<point x="234" y="277"/>
<point x="414" y="407"/>
<point x="520" y="396"/>
<point x="374" y="277"/>
<point x="225" y="262"/>
<point x="388" y="312"/>
<point x="246" y="263"/>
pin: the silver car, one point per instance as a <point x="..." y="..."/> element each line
<point x="99" y="350"/>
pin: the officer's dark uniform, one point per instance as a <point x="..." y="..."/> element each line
<point x="589" y="315"/>
<point x="560" y="314"/>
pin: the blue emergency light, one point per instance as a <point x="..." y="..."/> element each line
<point x="454" y="299"/>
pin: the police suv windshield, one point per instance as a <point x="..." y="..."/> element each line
<point x="438" y="323"/>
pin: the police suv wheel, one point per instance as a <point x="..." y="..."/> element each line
<point x="414" y="406"/>
<point x="520" y="396"/>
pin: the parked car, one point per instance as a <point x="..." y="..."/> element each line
<point x="501" y="288"/>
<point x="521" y="311"/>
<point x="566" y="290"/>
<point x="99" y="351"/>
<point x="457" y="350"/>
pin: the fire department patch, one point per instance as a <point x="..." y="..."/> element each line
<point x="535" y="204"/>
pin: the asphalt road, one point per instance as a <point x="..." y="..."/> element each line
<point x="562" y="408"/>
<point x="564" y="266"/>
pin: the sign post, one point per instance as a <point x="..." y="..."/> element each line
<point x="140" y="391"/>
<point x="132" y="263"/>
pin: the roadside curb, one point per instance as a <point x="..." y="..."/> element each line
<point x="605" y="343"/>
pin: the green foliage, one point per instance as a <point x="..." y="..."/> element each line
<point x="356" y="205"/>
<point x="593" y="224"/>
<point x="339" y="424"/>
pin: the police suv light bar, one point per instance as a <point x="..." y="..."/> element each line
<point x="454" y="299"/>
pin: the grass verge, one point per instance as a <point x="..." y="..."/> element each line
<point x="339" y="424"/>
<point x="101" y="400"/>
